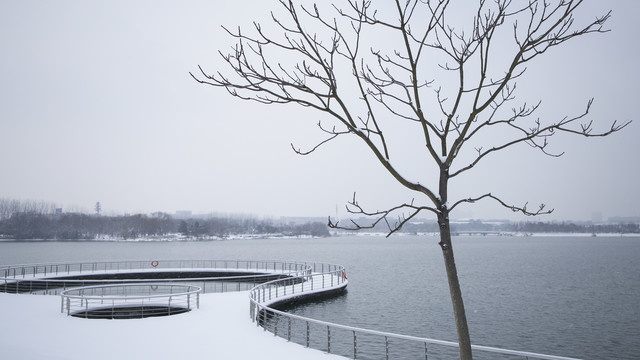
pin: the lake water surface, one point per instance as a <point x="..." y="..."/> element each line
<point x="567" y="296"/>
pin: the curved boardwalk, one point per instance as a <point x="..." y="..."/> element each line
<point x="211" y="275"/>
<point x="272" y="284"/>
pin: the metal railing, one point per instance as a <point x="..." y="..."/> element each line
<point x="354" y="342"/>
<point x="50" y="278"/>
<point x="320" y="278"/>
<point x="56" y="269"/>
<point x="129" y="300"/>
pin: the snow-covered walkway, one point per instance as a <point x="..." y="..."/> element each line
<point x="32" y="327"/>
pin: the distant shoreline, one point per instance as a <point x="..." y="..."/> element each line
<point x="176" y="238"/>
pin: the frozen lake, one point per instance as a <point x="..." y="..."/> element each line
<point x="568" y="296"/>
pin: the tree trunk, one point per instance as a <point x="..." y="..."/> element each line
<point x="454" y="287"/>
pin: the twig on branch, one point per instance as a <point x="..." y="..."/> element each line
<point x="393" y="226"/>
<point x="522" y="209"/>
<point x="333" y="133"/>
<point x="537" y="136"/>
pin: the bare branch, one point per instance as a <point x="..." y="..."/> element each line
<point x="333" y="133"/>
<point x="538" y="135"/>
<point x="549" y="26"/>
<point x="353" y="207"/>
<point x="521" y="209"/>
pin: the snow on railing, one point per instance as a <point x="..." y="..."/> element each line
<point x="55" y="269"/>
<point x="317" y="279"/>
<point x="127" y="301"/>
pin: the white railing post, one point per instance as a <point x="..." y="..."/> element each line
<point x="354" y="344"/>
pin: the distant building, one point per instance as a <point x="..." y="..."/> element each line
<point x="183" y="214"/>
<point x="596" y="217"/>
<point x="625" y="219"/>
<point x="58" y="211"/>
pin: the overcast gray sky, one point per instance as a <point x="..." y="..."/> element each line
<point x="96" y="104"/>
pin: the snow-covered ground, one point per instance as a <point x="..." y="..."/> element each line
<point x="32" y="327"/>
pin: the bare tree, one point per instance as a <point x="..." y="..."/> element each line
<point x="9" y="207"/>
<point x="448" y="71"/>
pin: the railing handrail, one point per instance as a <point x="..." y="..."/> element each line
<point x="220" y="278"/>
<point x="263" y="264"/>
<point x="46" y="270"/>
<point x="49" y="277"/>
<point x="192" y="289"/>
<point x="418" y="339"/>
<point x="92" y="302"/>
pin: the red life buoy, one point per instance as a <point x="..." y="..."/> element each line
<point x="344" y="274"/>
<point x="154" y="263"/>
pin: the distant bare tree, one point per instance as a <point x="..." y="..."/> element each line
<point x="9" y="207"/>
<point x="453" y="79"/>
